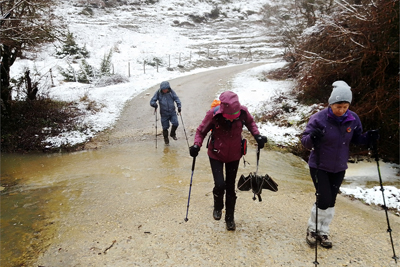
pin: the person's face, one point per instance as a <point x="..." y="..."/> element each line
<point x="165" y="91"/>
<point x="340" y="108"/>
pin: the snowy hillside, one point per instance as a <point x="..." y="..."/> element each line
<point x="167" y="33"/>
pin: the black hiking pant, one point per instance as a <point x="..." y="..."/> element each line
<point x="328" y="186"/>
<point x="224" y="184"/>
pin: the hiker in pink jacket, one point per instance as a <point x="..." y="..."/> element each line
<point x="225" y="147"/>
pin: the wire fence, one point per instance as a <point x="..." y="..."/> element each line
<point x="181" y="59"/>
<point x="145" y="65"/>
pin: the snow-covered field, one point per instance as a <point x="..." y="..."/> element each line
<point x="137" y="34"/>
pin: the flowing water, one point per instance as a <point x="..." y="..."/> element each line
<point x="41" y="190"/>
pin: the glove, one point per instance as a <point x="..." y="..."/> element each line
<point x="179" y="110"/>
<point x="261" y="140"/>
<point x="155" y="106"/>
<point x="373" y="137"/>
<point x="194" y="150"/>
<point x="316" y="136"/>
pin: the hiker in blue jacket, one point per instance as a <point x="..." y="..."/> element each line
<point x="166" y="98"/>
<point x="328" y="135"/>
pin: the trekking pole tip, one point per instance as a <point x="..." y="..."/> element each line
<point x="186" y="219"/>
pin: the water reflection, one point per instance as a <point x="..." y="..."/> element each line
<point x="82" y="190"/>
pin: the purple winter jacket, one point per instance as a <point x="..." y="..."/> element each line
<point x="334" y="145"/>
<point x="225" y="142"/>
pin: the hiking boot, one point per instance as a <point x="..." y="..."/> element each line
<point x="311" y="238"/>
<point x="217" y="214"/>
<point x="165" y="134"/>
<point x="173" y="132"/>
<point x="230" y="223"/>
<point x="326" y="242"/>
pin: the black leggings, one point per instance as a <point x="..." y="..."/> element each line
<point x="328" y="186"/>
<point x="220" y="183"/>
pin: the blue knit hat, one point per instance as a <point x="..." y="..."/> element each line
<point x="341" y="93"/>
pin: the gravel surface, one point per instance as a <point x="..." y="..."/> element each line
<point x="133" y="200"/>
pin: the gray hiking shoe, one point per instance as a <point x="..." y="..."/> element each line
<point x="326" y="242"/>
<point x="311" y="238"/>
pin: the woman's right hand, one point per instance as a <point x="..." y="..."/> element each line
<point x="316" y="136"/>
<point x="194" y="150"/>
<point x="261" y="140"/>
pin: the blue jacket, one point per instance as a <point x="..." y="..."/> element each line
<point x="334" y="145"/>
<point x="166" y="101"/>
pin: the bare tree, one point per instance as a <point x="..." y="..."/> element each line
<point x="24" y="26"/>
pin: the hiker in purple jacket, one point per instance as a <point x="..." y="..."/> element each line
<point x="224" y="147"/>
<point x="328" y="135"/>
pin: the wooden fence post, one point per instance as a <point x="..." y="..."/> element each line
<point x="51" y="78"/>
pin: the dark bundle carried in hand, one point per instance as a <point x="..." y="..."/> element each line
<point x="256" y="183"/>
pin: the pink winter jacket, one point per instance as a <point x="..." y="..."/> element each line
<point x="226" y="137"/>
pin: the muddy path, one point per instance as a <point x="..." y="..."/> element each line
<point x="196" y="92"/>
<point x="128" y="200"/>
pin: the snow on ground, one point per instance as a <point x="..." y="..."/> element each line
<point x="258" y="96"/>
<point x="156" y="38"/>
<point x="362" y="182"/>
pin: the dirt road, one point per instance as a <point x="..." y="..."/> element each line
<point x="133" y="199"/>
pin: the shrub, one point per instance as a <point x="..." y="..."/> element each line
<point x="105" y="65"/>
<point x="71" y="48"/>
<point x="30" y="122"/>
<point x="110" y="80"/>
<point x="215" y="12"/>
<point x="357" y="44"/>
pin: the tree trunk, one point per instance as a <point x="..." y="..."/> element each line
<point x="31" y="89"/>
<point x="7" y="59"/>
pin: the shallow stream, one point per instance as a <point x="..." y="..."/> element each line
<point x="41" y="190"/>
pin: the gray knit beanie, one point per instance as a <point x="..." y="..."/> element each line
<point x="341" y="93"/>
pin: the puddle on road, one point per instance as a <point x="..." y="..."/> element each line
<point x="40" y="190"/>
<point x="37" y="189"/>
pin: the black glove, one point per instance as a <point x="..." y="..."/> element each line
<point x="179" y="110"/>
<point x="316" y="136"/>
<point x="155" y="106"/>
<point x="194" y="150"/>
<point x="261" y="140"/>
<point x="373" y="137"/>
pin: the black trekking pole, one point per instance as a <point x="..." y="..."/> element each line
<point x="155" y="112"/>
<point x="258" y="159"/>
<point x="190" y="189"/>
<point x="187" y="141"/>
<point x="316" y="147"/>
<point x="389" y="230"/>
